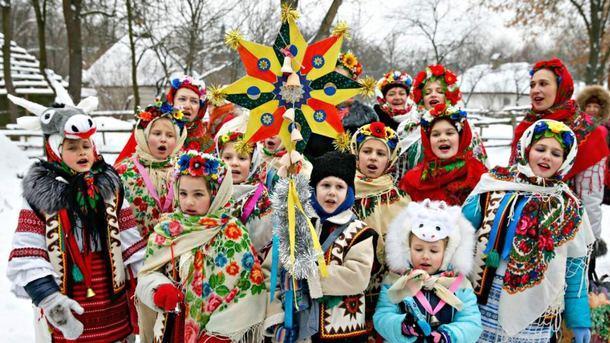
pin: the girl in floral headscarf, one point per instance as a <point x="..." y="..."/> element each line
<point x="188" y="96"/>
<point x="378" y="201"/>
<point x="551" y="89"/>
<point x="146" y="175"/>
<point x="532" y="241"/>
<point x="434" y="86"/>
<point x="449" y="171"/>
<point x="201" y="275"/>
<point x="251" y="204"/>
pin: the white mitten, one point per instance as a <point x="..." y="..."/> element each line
<point x="58" y="310"/>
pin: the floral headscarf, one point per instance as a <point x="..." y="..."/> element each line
<point x="565" y="84"/>
<point x="437" y="73"/>
<point x="195" y="85"/>
<point x="547" y="128"/>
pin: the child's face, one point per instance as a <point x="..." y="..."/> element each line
<point x="397" y="97"/>
<point x="545" y="157"/>
<point x="427" y="256"/>
<point x="373" y="158"/>
<point x="273" y="143"/>
<point x="444" y="139"/>
<point x="434" y="94"/>
<point x="194" y="195"/>
<point x="78" y="154"/>
<point x="240" y="164"/>
<point x="330" y="193"/>
<point x="188" y="101"/>
<point x="162" y="139"/>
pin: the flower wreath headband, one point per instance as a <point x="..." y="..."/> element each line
<point x="349" y="62"/>
<point x="441" y="74"/>
<point x="376" y="130"/>
<point x="210" y="167"/>
<point x="241" y="147"/>
<point x="160" y="109"/>
<point x="442" y="111"/>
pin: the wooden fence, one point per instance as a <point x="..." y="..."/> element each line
<point x="31" y="140"/>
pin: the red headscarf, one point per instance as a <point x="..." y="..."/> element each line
<point x="591" y="139"/>
<point x="450" y="180"/>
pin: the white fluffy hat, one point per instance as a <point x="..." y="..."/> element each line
<point x="431" y="221"/>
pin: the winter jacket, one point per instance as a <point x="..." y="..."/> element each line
<point x="460" y="326"/>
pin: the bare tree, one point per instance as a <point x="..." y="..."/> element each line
<point x="592" y="14"/>
<point x="40" y="10"/>
<point x="433" y="20"/>
<point x="327" y="21"/>
<point x="6" y="56"/>
<point x="132" y="48"/>
<point x="72" y="16"/>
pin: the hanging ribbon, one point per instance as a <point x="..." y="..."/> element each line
<point x="292" y="193"/>
<point x="167" y="205"/>
<point x="81" y="259"/>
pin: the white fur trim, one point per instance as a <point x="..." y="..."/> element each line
<point x="459" y="252"/>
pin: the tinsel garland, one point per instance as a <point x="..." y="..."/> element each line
<point x="305" y="255"/>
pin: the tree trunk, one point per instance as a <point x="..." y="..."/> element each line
<point x="134" y="65"/>
<point x="6" y="58"/>
<point x="41" y="23"/>
<point x="72" y="10"/>
<point x="328" y="20"/>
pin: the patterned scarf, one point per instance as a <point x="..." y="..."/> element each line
<point x="547" y="220"/>
<point x="223" y="271"/>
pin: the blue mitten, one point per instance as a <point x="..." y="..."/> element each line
<point x="582" y="335"/>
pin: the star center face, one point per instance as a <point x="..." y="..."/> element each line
<point x="291" y="93"/>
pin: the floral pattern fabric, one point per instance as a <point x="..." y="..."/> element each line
<point x="221" y="272"/>
<point x="145" y="208"/>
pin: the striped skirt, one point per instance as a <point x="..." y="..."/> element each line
<point x="106" y="317"/>
<point x="539" y="331"/>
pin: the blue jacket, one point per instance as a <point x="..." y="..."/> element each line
<point x="465" y="327"/>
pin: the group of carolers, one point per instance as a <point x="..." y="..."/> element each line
<point x="422" y="242"/>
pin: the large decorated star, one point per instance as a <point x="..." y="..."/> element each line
<point x="291" y="86"/>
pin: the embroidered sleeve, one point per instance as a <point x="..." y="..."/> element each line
<point x="133" y="244"/>
<point x="577" y="310"/>
<point x="589" y="187"/>
<point x="29" y="257"/>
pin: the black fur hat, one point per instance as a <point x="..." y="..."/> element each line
<point x="334" y="163"/>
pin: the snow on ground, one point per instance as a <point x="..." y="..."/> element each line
<point x="16" y="315"/>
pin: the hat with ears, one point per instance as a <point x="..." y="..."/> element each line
<point x="431" y="221"/>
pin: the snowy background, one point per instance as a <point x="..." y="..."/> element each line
<point x="17" y="315"/>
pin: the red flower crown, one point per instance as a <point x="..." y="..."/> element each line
<point x="437" y="73"/>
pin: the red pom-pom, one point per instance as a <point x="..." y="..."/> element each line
<point x="167" y="297"/>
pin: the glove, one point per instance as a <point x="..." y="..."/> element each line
<point x="167" y="297"/>
<point x="439" y="337"/>
<point x="409" y="326"/>
<point x="582" y="335"/>
<point x="58" y="308"/>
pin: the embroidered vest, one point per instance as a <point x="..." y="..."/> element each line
<point x="59" y="255"/>
<point x="344" y="317"/>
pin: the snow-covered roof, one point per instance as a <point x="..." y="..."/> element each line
<point x="507" y="78"/>
<point x="113" y="68"/>
<point x="25" y="72"/>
